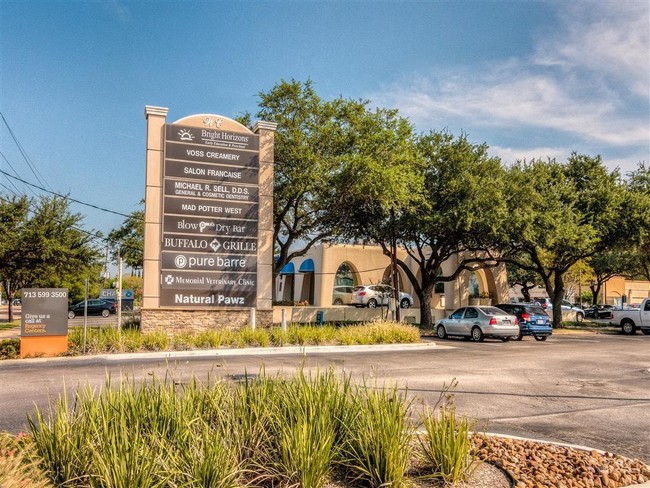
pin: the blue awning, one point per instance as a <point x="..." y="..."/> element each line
<point x="288" y="269"/>
<point x="307" y="266"/>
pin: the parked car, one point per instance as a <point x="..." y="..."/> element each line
<point x="533" y="320"/>
<point x="632" y="320"/>
<point x="342" y="295"/>
<point x="478" y="323"/>
<point x="599" y="311"/>
<point x="372" y="296"/>
<point x="569" y="311"/>
<point x="95" y="307"/>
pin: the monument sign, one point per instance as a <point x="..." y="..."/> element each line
<point x="210" y="217"/>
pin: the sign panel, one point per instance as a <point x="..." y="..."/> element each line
<point x="212" y="137"/>
<point x="211" y="172"/>
<point x="208" y="262"/>
<point x="218" y="191"/>
<point x="210" y="208"/>
<point x="210" y="214"/>
<point x="210" y="227"/>
<point x="229" y="157"/>
<point x="44" y="312"/>
<point x="218" y="244"/>
<point x="112" y="293"/>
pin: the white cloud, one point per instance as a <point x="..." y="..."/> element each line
<point x="610" y="38"/>
<point x="588" y="81"/>
<point x="510" y="155"/>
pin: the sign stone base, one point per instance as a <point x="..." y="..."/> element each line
<point x="172" y="321"/>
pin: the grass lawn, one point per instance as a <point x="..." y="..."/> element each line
<point x="9" y="325"/>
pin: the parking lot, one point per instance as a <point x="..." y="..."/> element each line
<point x="580" y="388"/>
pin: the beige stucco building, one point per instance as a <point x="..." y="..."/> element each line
<point x="313" y="278"/>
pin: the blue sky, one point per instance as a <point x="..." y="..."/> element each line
<point x="531" y="79"/>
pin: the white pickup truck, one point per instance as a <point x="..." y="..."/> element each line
<point x="632" y="320"/>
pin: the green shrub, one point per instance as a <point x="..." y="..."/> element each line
<point x="379" y="438"/>
<point x="155" y="341"/>
<point x="18" y="464"/>
<point x="9" y="349"/>
<point x="446" y="445"/>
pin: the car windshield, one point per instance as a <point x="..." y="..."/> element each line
<point x="492" y="311"/>
<point x="357" y="288"/>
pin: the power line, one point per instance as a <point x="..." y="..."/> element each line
<point x="63" y="196"/>
<point x="27" y="159"/>
<point x="15" y="172"/>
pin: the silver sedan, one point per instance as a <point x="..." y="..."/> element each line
<point x="478" y="323"/>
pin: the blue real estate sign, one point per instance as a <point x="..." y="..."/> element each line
<point x="44" y="312"/>
<point x="210" y="218"/>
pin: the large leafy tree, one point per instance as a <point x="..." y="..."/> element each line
<point x="523" y="278"/>
<point x="561" y="213"/>
<point x="456" y="214"/>
<point x="326" y="152"/>
<point x="128" y="240"/>
<point x="638" y="182"/>
<point x="40" y="244"/>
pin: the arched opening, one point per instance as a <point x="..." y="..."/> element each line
<point x="307" y="288"/>
<point x="287" y="283"/>
<point x="344" y="281"/>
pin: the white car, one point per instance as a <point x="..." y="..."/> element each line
<point x="569" y="311"/>
<point x="342" y="295"/>
<point x="372" y="296"/>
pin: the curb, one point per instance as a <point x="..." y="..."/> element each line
<point x="219" y="353"/>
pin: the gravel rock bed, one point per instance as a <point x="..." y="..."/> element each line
<point x="536" y="464"/>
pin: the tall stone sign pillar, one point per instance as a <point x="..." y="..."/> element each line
<point x="208" y="246"/>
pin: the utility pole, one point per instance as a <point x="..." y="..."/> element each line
<point x="393" y="257"/>
<point x="119" y="290"/>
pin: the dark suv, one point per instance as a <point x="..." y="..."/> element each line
<point x="533" y="320"/>
<point x="95" y="307"/>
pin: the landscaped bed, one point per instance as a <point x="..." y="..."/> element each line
<point x="310" y="430"/>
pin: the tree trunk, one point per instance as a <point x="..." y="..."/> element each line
<point x="525" y="291"/>
<point x="426" y="318"/>
<point x="556" y="297"/>
<point x="595" y="291"/>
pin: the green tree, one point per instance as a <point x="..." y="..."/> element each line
<point x="128" y="240"/>
<point x="638" y="182"/>
<point x="561" y="213"/>
<point x="326" y="152"/>
<point x="40" y="244"/>
<point x="456" y="214"/>
<point x="609" y="263"/>
<point x="526" y="279"/>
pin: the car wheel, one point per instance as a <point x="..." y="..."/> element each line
<point x="477" y="334"/>
<point x="579" y="317"/>
<point x="372" y="303"/>
<point x="441" y="332"/>
<point x="70" y="314"/>
<point x="405" y="303"/>
<point x="338" y="301"/>
<point x="628" y="327"/>
<point x="106" y="312"/>
<point x="540" y="338"/>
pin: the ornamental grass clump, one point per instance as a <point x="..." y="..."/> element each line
<point x="379" y="437"/>
<point x="18" y="465"/>
<point x="446" y="444"/>
<point x="303" y="430"/>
